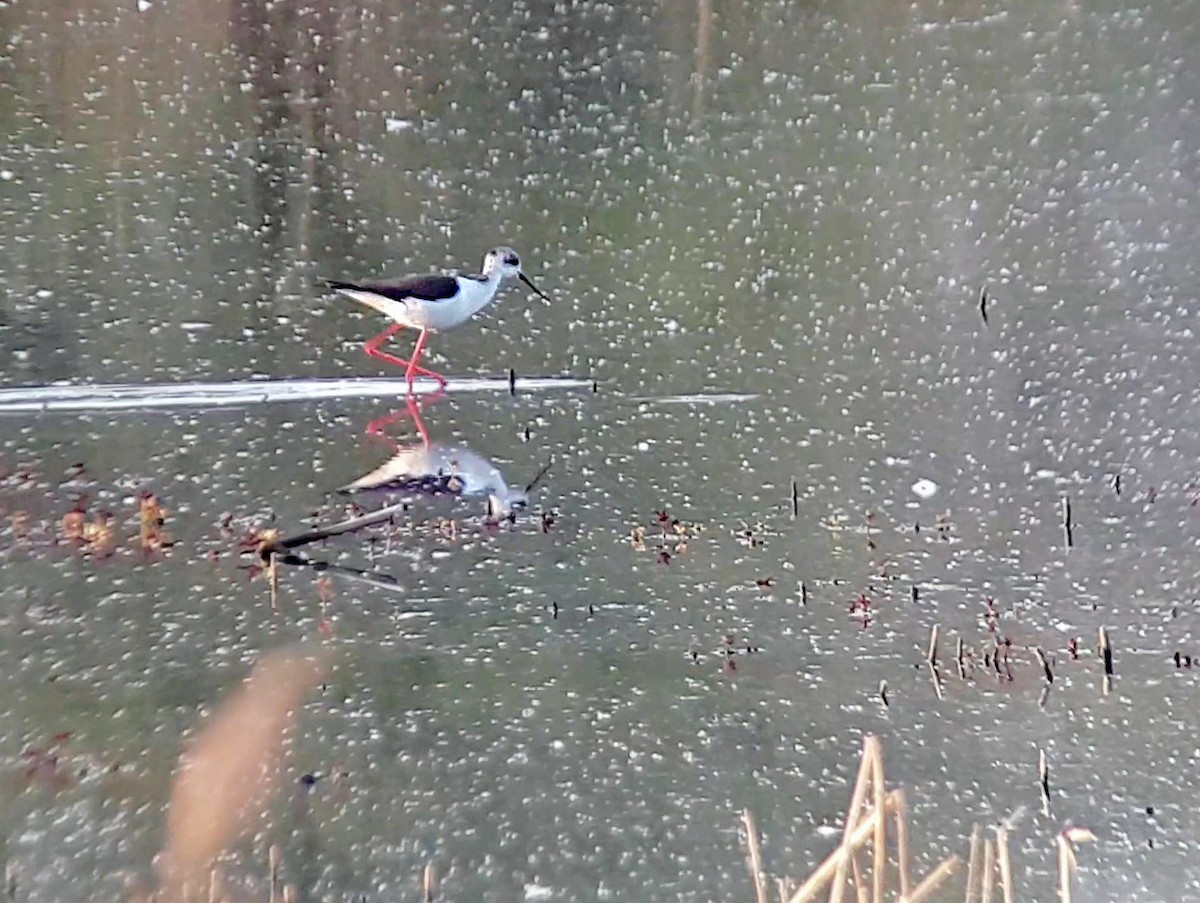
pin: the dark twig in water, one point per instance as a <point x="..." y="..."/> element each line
<point x="795" y="498"/>
<point x="983" y="302"/>
<point x="322" y="533"/>
<point x="1105" y="649"/>
<point x="374" y="578"/>
<point x="803" y="593"/>
<point x="1067" y="524"/>
<point x="1049" y="673"/>
<point x="538" y="477"/>
<point x="512" y="381"/>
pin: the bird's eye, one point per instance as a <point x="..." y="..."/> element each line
<point x="511" y="260"/>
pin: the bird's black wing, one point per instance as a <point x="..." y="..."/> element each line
<point x="427" y="287"/>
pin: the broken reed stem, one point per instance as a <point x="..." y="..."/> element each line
<point x="346" y="526"/>
<point x="931" y="655"/>
<point x="936" y="676"/>
<point x="782" y="885"/>
<point x="428" y="882"/>
<point x="933" y="879"/>
<point x="795" y="498"/>
<point x="216" y="885"/>
<point x="1064" y="870"/>
<point x="1067" y="525"/>
<point x="756" y="869"/>
<point x="1105" y="648"/>
<point x="1044" y="780"/>
<point x="973" y="864"/>
<point x="1006" y="884"/>
<point x="817" y="881"/>
<point x="879" y="847"/>
<point x="856" y="877"/>
<point x="900" y="806"/>
<point x="274" y="857"/>
<point x="960" y="654"/>
<point x="989" y="871"/>
<point x="854" y="812"/>
<point x="273" y="578"/>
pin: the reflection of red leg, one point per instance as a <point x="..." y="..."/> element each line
<point x="411" y="367"/>
<point x="412" y="409"/>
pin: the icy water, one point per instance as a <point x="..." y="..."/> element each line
<point x="766" y="228"/>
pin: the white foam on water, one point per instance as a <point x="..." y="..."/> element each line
<point x="117" y="397"/>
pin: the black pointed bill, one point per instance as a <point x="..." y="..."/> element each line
<point x="536" y="290"/>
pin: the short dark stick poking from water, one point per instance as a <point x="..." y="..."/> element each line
<point x="1046" y="670"/>
<point x="1044" y="780"/>
<point x="795" y="498"/>
<point x="960" y="655"/>
<point x="803" y="593"/>
<point x="1067" y="524"/>
<point x="1106" y="653"/>
<point x="512" y="381"/>
<point x="538" y="478"/>
<point x="983" y="304"/>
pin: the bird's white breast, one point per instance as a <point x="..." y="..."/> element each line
<point x="435" y="316"/>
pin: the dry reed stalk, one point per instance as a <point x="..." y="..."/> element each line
<point x="784" y="887"/>
<point x="973" y="864"/>
<point x="931" y="654"/>
<point x="1006" y="883"/>
<point x="756" y="869"/>
<point x="933" y="879"/>
<point x="274" y="864"/>
<point x="228" y="770"/>
<point x="936" y="677"/>
<point x="987" y="891"/>
<point x="819" y="878"/>
<point x="1044" y="780"/>
<point x="1105" y="649"/>
<point x="871" y="749"/>
<point x="856" y="876"/>
<point x="273" y="579"/>
<point x="1066" y="857"/>
<point x="901" y="811"/>
<point x="428" y="882"/>
<point x="879" y="847"/>
<point x="1064" y="869"/>
<point x="216" y="885"/>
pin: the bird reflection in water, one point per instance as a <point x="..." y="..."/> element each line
<point x="431" y="469"/>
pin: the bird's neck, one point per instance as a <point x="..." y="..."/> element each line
<point x="485" y="291"/>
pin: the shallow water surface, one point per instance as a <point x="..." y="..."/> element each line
<point x="771" y="233"/>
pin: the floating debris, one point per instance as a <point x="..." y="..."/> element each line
<point x="924" y="489"/>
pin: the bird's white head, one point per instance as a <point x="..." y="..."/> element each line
<point x="504" y="263"/>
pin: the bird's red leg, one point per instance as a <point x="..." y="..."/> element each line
<point x="413" y="369"/>
<point x="372" y="346"/>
